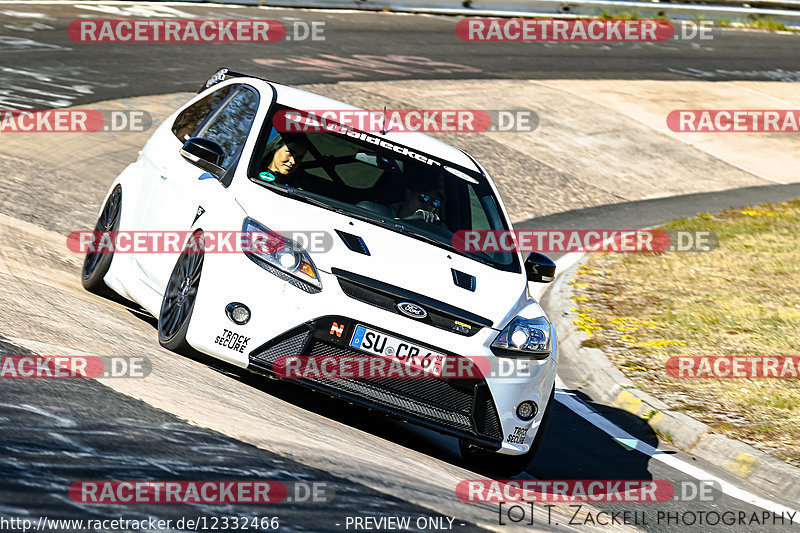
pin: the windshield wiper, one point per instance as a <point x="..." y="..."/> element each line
<point x="403" y="229"/>
<point x="441" y="244"/>
<point x="297" y="195"/>
<point x="421" y="236"/>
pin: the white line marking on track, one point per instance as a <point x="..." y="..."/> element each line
<point x="765" y="95"/>
<point x="581" y="409"/>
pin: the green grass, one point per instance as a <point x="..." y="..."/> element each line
<point x="756" y="23"/>
<point x="624" y="15"/>
<point x="766" y="24"/>
<point x="740" y="299"/>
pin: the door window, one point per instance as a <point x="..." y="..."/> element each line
<point x="190" y="119"/>
<point x="230" y="125"/>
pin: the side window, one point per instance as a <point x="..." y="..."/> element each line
<point x="230" y="125"/>
<point x="193" y="116"/>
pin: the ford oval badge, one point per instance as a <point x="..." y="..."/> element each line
<point x="411" y="310"/>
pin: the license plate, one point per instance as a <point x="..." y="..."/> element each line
<point x="415" y="356"/>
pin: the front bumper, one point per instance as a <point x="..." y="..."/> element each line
<point x="287" y="321"/>
<point x="458" y="407"/>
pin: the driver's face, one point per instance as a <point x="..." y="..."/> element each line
<point x="286" y="159"/>
<point x="427" y="201"/>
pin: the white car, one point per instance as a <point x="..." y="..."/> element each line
<point x="387" y="206"/>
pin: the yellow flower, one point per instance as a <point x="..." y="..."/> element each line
<point x="660" y="343"/>
<point x="756" y="212"/>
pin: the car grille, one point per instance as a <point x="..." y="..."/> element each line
<point x="387" y="297"/>
<point x="462" y="407"/>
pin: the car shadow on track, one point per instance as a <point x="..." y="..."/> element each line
<point x="575" y="449"/>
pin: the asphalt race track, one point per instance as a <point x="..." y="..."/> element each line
<point x="360" y="46"/>
<point x="198" y="419"/>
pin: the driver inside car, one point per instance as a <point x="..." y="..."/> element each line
<point x="282" y="156"/>
<point x="422" y="198"/>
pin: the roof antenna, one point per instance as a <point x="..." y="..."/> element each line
<point x="384" y="131"/>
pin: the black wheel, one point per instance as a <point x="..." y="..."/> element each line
<point x="506" y="465"/>
<point x="180" y="295"/>
<point x="96" y="265"/>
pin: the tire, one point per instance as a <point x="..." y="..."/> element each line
<point x="96" y="265"/>
<point x="180" y="296"/>
<point x="506" y="465"/>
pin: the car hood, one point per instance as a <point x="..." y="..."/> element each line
<point x="394" y="259"/>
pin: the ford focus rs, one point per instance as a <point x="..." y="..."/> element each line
<point x="384" y="278"/>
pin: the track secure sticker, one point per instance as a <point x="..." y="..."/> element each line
<point x="518" y="436"/>
<point x="232" y="340"/>
<point x="267" y="176"/>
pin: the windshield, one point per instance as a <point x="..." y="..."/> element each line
<point x="365" y="176"/>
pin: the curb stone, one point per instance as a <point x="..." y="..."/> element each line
<point x="591" y="369"/>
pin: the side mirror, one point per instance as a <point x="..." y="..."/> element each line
<point x="205" y="154"/>
<point x="540" y="268"/>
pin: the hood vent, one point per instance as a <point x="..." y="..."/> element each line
<point x="463" y="280"/>
<point x="354" y="242"/>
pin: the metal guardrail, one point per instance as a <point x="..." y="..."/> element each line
<point x="788" y="13"/>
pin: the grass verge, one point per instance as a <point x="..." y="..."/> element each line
<point x="742" y="299"/>
<point x="753" y="22"/>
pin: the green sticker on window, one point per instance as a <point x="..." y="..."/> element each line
<point x="267" y="176"/>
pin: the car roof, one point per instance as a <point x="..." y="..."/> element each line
<point x="304" y="100"/>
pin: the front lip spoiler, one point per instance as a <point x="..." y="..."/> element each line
<point x="489" y="443"/>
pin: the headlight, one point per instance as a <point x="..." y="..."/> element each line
<point x="279" y="255"/>
<point x="524" y="337"/>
